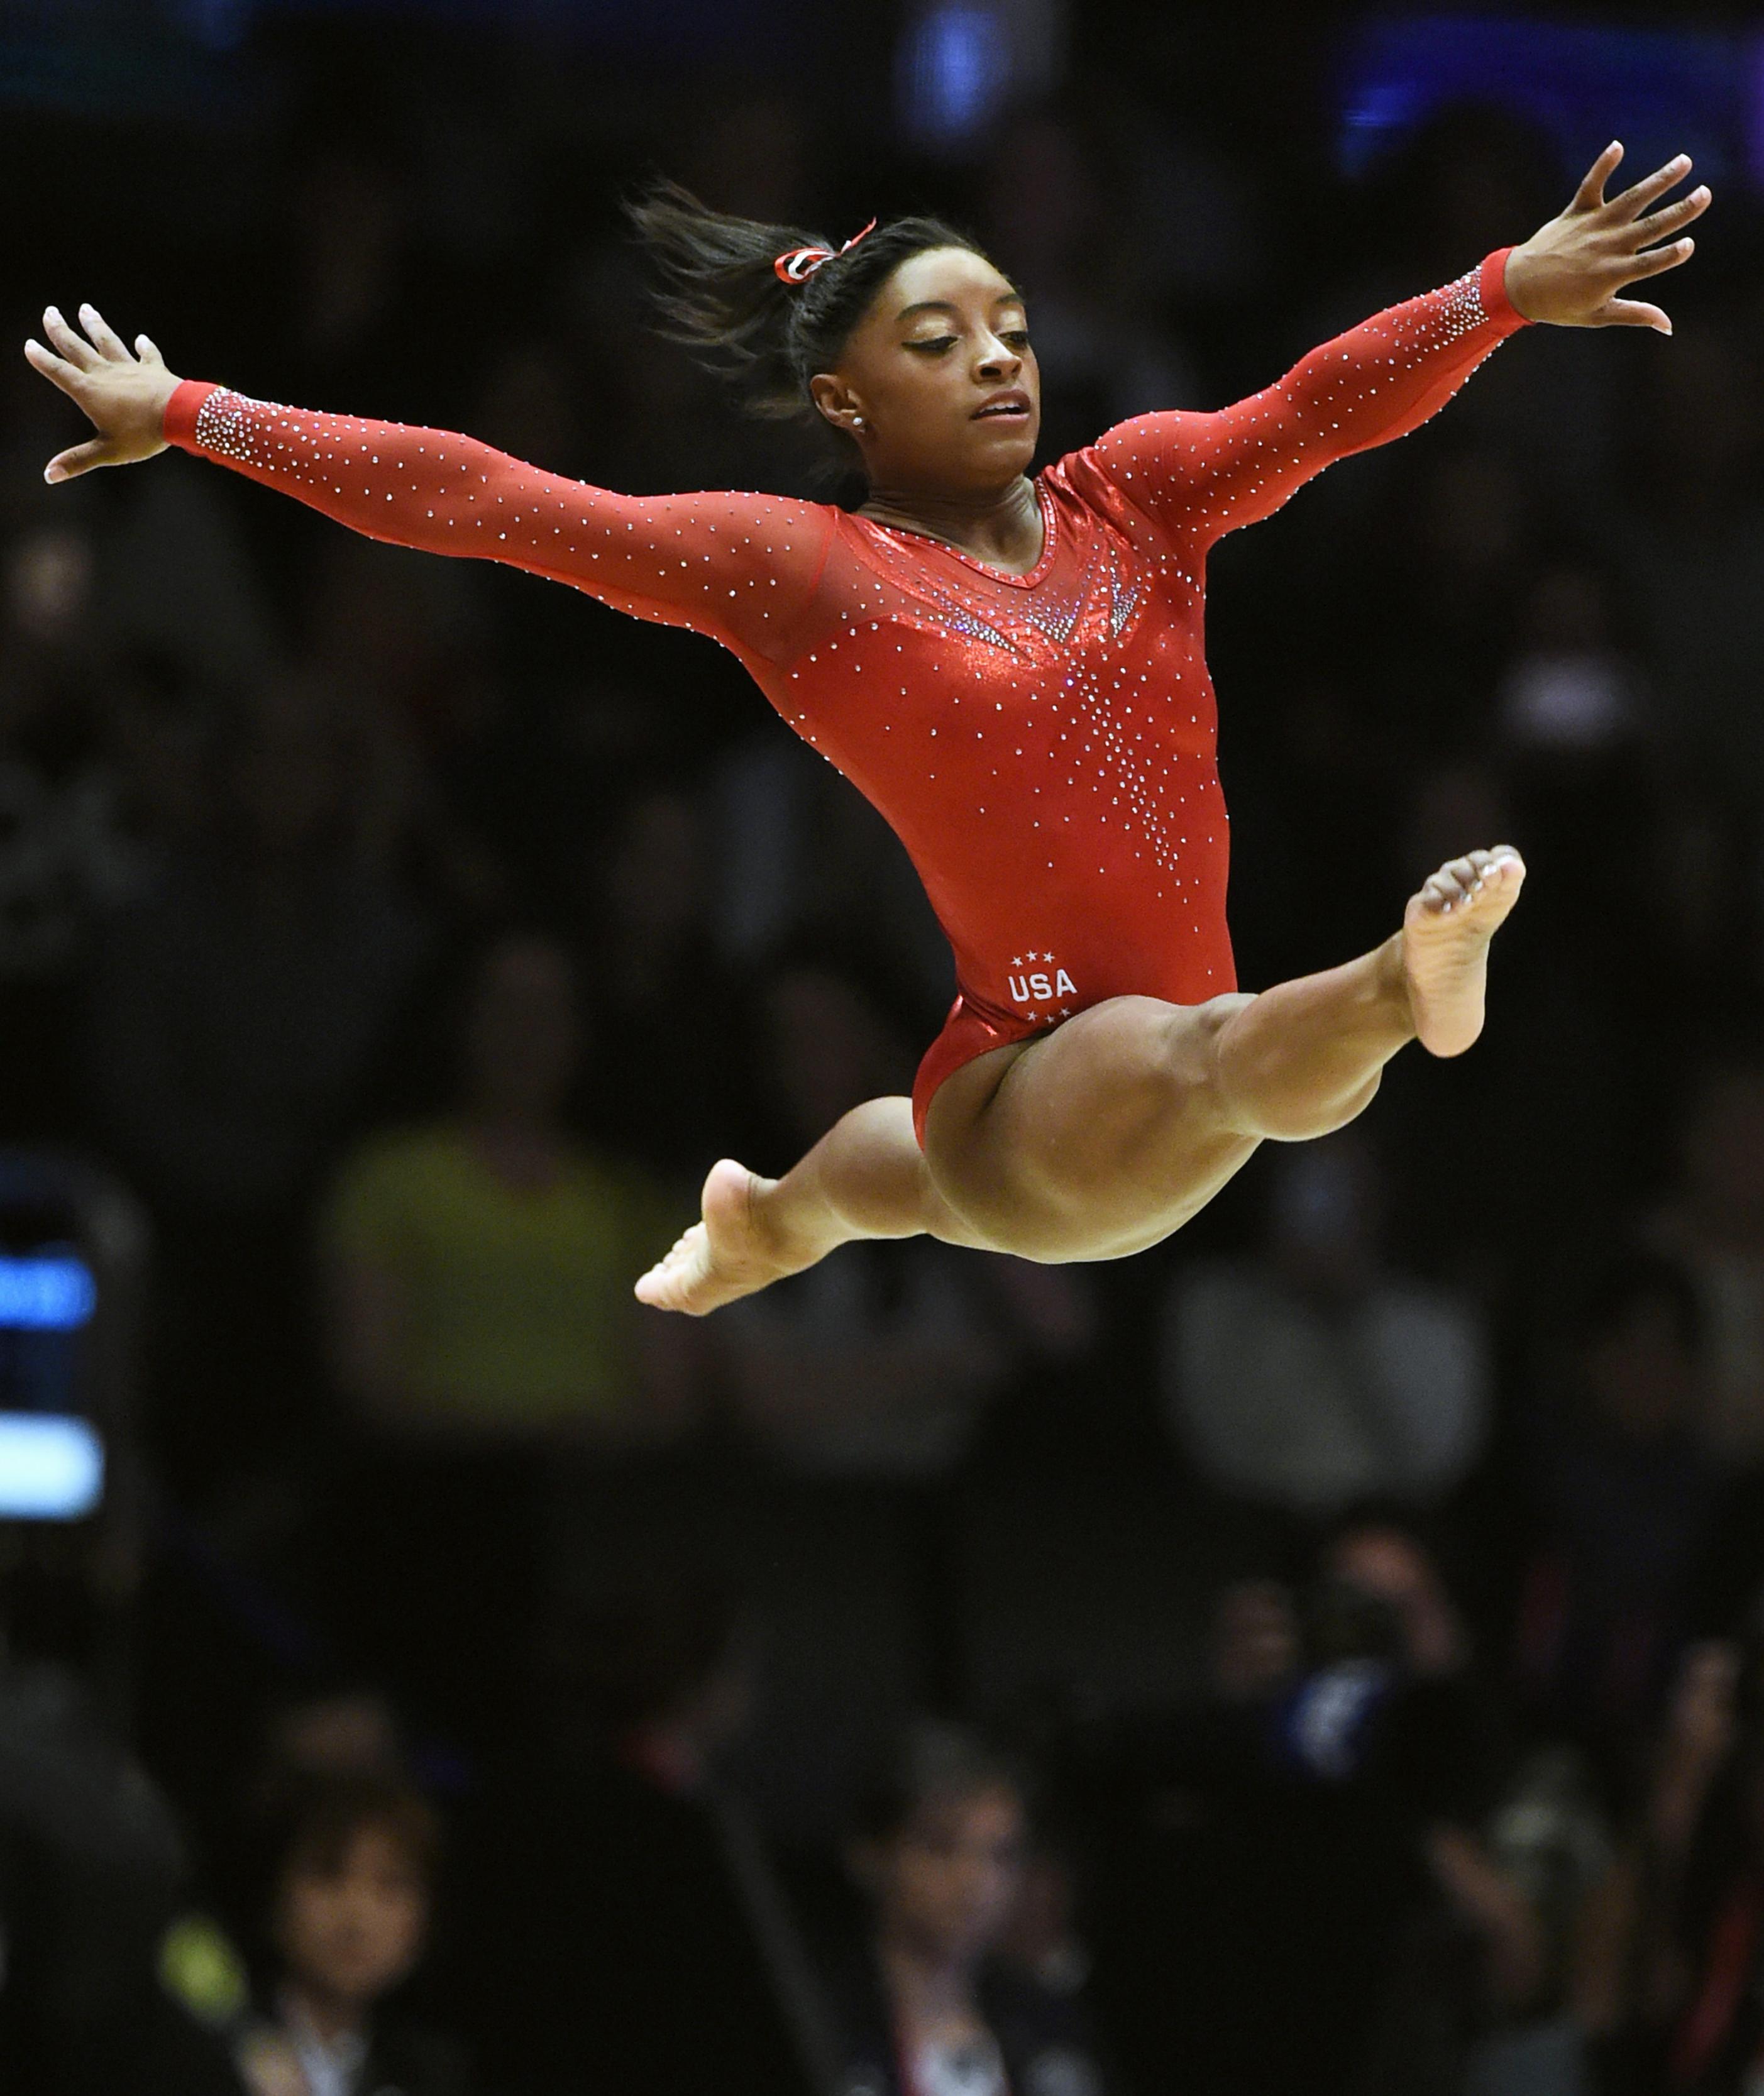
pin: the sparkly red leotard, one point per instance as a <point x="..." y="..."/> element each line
<point x="1043" y="744"/>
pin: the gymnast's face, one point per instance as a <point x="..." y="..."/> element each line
<point x="937" y="383"/>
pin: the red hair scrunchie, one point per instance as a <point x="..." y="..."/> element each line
<point x="797" y="265"/>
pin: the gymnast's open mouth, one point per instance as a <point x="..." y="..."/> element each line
<point x="1016" y="403"/>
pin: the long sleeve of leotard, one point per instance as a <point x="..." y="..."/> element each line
<point x="1210" y="473"/>
<point x="741" y="568"/>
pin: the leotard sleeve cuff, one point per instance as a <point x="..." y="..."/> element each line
<point x="1492" y="287"/>
<point x="182" y="410"/>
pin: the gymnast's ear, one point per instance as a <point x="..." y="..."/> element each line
<point x="837" y="402"/>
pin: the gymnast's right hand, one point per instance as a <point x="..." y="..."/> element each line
<point x="123" y="392"/>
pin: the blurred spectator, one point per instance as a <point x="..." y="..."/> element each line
<point x="1636" y="1965"/>
<point x="1314" y="1376"/>
<point x="1587" y="759"/>
<point x="654" y="1951"/>
<point x="1253" y="1648"/>
<point x="308" y="1742"/>
<point x="1680" y="1946"/>
<point x="1713" y="1222"/>
<point x="930" y="2005"/>
<point x="91" y="1870"/>
<point x="480" y="1268"/>
<point x="1625" y="1500"/>
<point x="238" y="1005"/>
<point x="63" y="855"/>
<point x="235" y="1011"/>
<point x="1552" y="1845"/>
<point x="1290" y="1884"/>
<point x="1571" y="689"/>
<point x="1484" y="1977"/>
<point x="878" y="1362"/>
<point x="351" y="1867"/>
<point x="478" y="1274"/>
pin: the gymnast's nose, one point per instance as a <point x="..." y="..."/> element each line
<point x="996" y="358"/>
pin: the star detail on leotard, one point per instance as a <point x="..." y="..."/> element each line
<point x="957" y="618"/>
<point x="1123" y="601"/>
<point x="1107" y="580"/>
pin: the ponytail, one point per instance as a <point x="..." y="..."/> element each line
<point x="721" y="297"/>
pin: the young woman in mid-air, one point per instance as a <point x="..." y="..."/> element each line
<point x="1010" y="668"/>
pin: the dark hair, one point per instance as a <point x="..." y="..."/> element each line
<point x="721" y="297"/>
<point x="931" y="1761"/>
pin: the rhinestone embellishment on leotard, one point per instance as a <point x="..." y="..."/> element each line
<point x="225" y="425"/>
<point x="1123" y="601"/>
<point x="957" y="618"/>
<point x="1463" y="313"/>
<point x="1055" y="620"/>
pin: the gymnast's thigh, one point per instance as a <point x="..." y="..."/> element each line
<point x="1094" y="1141"/>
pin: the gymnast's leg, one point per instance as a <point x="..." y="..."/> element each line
<point x="1101" y="1138"/>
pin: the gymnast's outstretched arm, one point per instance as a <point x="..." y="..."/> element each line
<point x="741" y="568"/>
<point x="1207" y="474"/>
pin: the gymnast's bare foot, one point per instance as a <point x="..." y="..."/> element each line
<point x="727" y="1256"/>
<point x="1446" y="932"/>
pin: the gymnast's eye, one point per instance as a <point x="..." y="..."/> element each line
<point x="1017" y="338"/>
<point x="934" y="345"/>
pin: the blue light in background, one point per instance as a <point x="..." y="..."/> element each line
<point x="1661" y="91"/>
<point x="45" y="1292"/>
<point x="1754" y="155"/>
<point x="51" y="1466"/>
<point x="223" y="25"/>
<point x="955" y="71"/>
<point x="961" y="63"/>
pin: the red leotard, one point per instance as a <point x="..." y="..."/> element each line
<point x="1043" y="744"/>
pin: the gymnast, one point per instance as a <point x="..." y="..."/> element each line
<point x="1009" y="667"/>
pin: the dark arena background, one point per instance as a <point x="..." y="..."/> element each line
<point x="1324" y="1654"/>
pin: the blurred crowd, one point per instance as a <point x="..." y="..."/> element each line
<point x="1327" y="1652"/>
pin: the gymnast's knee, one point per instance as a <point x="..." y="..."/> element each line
<point x="1187" y="1066"/>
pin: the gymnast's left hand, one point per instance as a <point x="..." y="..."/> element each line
<point x="1572" y="269"/>
<point x="1570" y="272"/>
<point x="123" y="393"/>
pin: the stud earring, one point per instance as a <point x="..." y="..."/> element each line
<point x="857" y="422"/>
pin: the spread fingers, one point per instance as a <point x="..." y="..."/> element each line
<point x="67" y="342"/>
